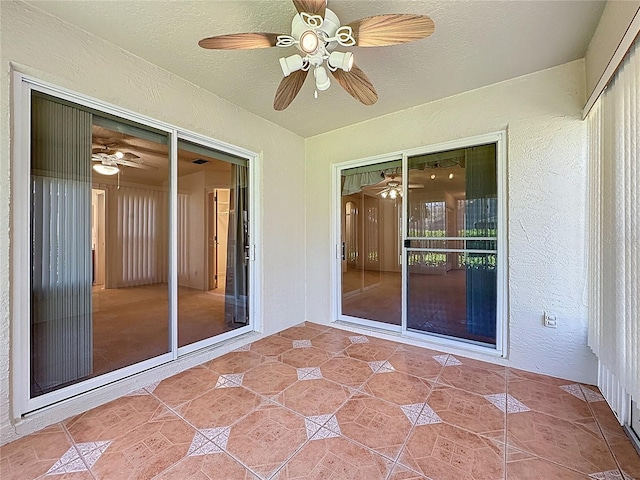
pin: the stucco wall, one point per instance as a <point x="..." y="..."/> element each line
<point x="547" y="178"/>
<point x="46" y="48"/>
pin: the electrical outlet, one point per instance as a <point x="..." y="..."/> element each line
<point x="550" y="320"/>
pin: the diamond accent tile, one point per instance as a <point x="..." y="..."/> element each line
<point x="309" y="373"/>
<point x="608" y="475"/>
<point x="136" y="393"/>
<point x="72" y="460"/>
<point x="219" y="435"/>
<point x="230" y="380"/>
<point x="381" y="367"/>
<point x="591" y="396"/>
<point x="199" y="443"/>
<point x="447" y="360"/>
<point x="412" y="411"/>
<point x="244" y="348"/>
<point x="329" y="429"/>
<point x="92" y="451"/>
<point x="506" y="403"/>
<point x="68" y="463"/>
<point x="574" y="389"/>
<point x="144" y="390"/>
<point x="301" y="343"/>
<point x="428" y="416"/>
<point x="313" y="424"/>
<point x="359" y="339"/>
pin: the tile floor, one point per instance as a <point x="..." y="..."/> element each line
<point x="321" y="403"/>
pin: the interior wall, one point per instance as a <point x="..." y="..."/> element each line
<point x="46" y="48"/>
<point x="547" y="178"/>
<point x="193" y="186"/>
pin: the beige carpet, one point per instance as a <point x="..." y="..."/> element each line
<point x="132" y="324"/>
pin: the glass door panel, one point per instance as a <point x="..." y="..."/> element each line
<point x="370" y="235"/>
<point x="452" y="244"/>
<point x="99" y="244"/>
<point x="213" y="243"/>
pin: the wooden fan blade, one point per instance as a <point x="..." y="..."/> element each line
<point x="357" y="85"/>
<point x="288" y="89"/>
<point x="130" y="156"/>
<point x="135" y="165"/>
<point x="240" y="41"/>
<point x="314" y="7"/>
<point x="382" y="30"/>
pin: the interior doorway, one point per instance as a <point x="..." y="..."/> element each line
<point x="217" y="234"/>
<point x="98" y="235"/>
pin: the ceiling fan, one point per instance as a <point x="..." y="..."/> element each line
<point x="393" y="187"/>
<point x="316" y="31"/>
<point x="111" y="159"/>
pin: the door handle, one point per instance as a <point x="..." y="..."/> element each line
<point x="343" y="252"/>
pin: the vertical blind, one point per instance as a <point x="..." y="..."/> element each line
<point x="614" y="216"/>
<point x="61" y="325"/>
<point x="137" y="237"/>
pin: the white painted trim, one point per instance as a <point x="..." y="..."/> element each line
<point x="76" y="389"/>
<point x="37" y="420"/>
<point x="336" y="222"/>
<point x="115" y="381"/>
<point x="502" y="264"/>
<point x="616" y="59"/>
<point x="213" y="341"/>
<point x="20" y="249"/>
<point x="173" y="244"/>
<point x="363" y="322"/>
<point x="500" y="139"/>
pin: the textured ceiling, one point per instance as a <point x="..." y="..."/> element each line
<point x="476" y="43"/>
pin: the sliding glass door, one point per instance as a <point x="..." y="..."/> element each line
<point x="371" y="278"/>
<point x="139" y="246"/>
<point x="420" y="239"/>
<point x="213" y="243"/>
<point x="451" y="244"/>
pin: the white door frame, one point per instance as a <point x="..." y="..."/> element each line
<point x="500" y="139"/>
<point x="23" y="85"/>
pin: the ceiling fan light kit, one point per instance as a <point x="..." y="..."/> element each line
<point x="316" y="31"/>
<point x="106" y="169"/>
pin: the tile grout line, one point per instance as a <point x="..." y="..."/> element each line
<point x="205" y="436"/>
<point x="505" y="452"/>
<point x="414" y="425"/>
<point x="600" y="429"/>
<point x="75" y="446"/>
<point x="566" y="467"/>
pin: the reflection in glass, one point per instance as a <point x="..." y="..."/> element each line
<point x="213" y="243"/>
<point x="371" y="268"/>
<point x="99" y="237"/>
<point x="451" y="260"/>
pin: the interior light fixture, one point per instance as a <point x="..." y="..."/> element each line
<point x="384" y="194"/>
<point x="309" y="41"/>
<point x="433" y="176"/>
<point x="450" y="176"/>
<point x="291" y="64"/>
<point x="342" y="60"/>
<point x="106" y="169"/>
<point x="393" y="193"/>
<point x="119" y="155"/>
<point x="322" y="79"/>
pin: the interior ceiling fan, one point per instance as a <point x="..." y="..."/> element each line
<point x="316" y="31"/>
<point x="393" y="186"/>
<point x="110" y="159"/>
